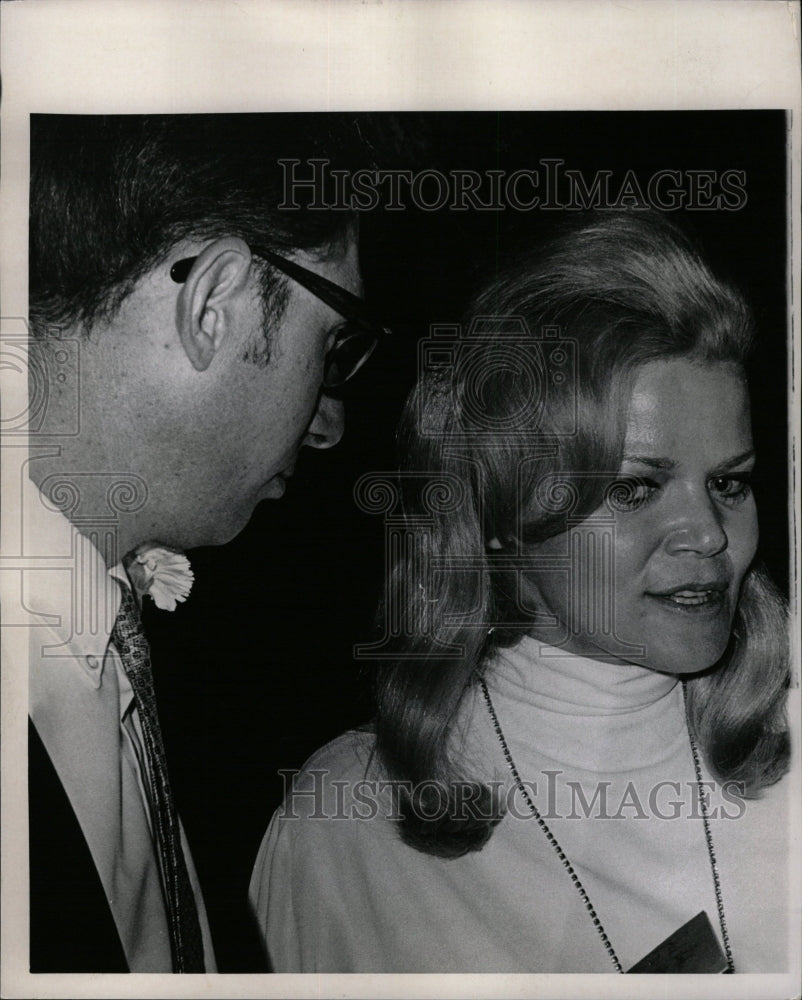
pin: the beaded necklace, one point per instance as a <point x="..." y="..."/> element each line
<point x="564" y="857"/>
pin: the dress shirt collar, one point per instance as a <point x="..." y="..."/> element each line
<point x="75" y="593"/>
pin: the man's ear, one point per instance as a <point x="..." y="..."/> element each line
<point x="208" y="300"/>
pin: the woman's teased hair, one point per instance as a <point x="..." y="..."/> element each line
<point x="535" y="393"/>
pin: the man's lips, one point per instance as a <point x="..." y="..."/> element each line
<point x="275" y="487"/>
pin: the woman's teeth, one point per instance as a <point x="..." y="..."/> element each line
<point x="691" y="596"/>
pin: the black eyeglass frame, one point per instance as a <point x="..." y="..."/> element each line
<point x="343" y="302"/>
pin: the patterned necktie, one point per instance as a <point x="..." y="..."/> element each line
<point x="186" y="942"/>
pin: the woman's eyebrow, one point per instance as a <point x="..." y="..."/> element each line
<point x="653" y="462"/>
<point x="730" y="463"/>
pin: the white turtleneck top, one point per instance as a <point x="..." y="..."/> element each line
<point x="605" y="752"/>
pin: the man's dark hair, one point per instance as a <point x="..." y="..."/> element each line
<point x="111" y="195"/>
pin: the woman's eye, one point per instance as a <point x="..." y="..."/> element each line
<point x="732" y="488"/>
<point x="630" y="493"/>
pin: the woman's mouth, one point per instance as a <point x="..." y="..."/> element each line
<point x="693" y="597"/>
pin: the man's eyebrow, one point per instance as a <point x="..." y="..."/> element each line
<point x="653" y="462"/>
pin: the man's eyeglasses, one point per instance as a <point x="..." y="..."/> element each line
<point x="356" y="340"/>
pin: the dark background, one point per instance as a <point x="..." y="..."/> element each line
<point x="256" y="670"/>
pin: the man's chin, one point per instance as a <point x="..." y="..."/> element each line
<point x="224" y="530"/>
<point x="231" y="523"/>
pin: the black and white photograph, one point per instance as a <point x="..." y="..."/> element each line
<point x="400" y="547"/>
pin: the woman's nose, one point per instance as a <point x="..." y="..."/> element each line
<point x="697" y="528"/>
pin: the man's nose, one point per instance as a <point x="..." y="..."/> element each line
<point x="327" y="424"/>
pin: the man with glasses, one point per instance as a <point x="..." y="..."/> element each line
<point x="188" y="338"/>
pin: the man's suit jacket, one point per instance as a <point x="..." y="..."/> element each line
<point x="72" y="928"/>
<point x="83" y="772"/>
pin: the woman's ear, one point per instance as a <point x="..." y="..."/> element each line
<point x="209" y="299"/>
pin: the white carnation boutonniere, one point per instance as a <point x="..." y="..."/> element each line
<point x="163" y="574"/>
